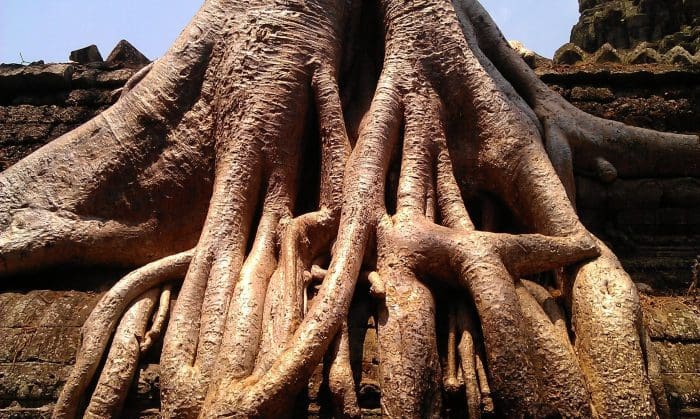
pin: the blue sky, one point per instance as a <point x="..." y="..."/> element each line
<point x="49" y="29"/>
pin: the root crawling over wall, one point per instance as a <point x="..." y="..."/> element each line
<point x="300" y="142"/>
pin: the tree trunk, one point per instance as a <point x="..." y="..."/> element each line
<point x="289" y="141"/>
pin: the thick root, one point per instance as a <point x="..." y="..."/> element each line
<point x="98" y="328"/>
<point x="605" y="316"/>
<point x="551" y="309"/>
<point x="262" y="394"/>
<point x="560" y="377"/>
<point x="108" y="397"/>
<point x="340" y="378"/>
<point x="411" y="380"/>
<point x="156" y="329"/>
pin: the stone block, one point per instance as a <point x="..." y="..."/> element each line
<point x="31" y="381"/>
<point x="26" y="310"/>
<point x="672" y="318"/>
<point x="89" y="54"/>
<point x="52" y="344"/>
<point x="569" y="54"/>
<point x="676" y="357"/>
<point x="592" y="94"/>
<point x="126" y="55"/>
<point x="40" y="78"/>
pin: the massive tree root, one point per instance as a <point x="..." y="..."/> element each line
<point x="285" y="144"/>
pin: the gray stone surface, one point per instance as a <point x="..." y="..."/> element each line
<point x="87" y="55"/>
<point x="126" y="55"/>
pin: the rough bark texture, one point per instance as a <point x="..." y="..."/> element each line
<point x="291" y="142"/>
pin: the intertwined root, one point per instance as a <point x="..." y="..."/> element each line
<point x="100" y="326"/>
<point x="412" y="175"/>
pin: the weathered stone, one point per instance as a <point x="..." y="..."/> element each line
<point x="14" y="339"/>
<point x="677" y="357"/>
<point x="569" y="54"/>
<point x="18" y="412"/>
<point x="644" y="29"/>
<point x="89" y="54"/>
<point x="643" y="54"/>
<point x="639" y="193"/>
<point x="84" y="78"/>
<point x="26" y="310"/>
<point x="14" y="78"/>
<point x="626" y="23"/>
<point x="674" y="40"/>
<point x="114" y="78"/>
<point x="31" y="381"/>
<point x="679" y="56"/>
<point x="675" y="319"/>
<point x="126" y="55"/>
<point x="598" y="94"/>
<point x="52" y="345"/>
<point x="683" y="391"/>
<point x="606" y="54"/>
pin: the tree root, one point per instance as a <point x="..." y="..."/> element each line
<point x="154" y="333"/>
<point x="410" y="370"/>
<point x="468" y="364"/>
<point x="605" y="303"/>
<point x="119" y="369"/>
<point x="98" y="328"/>
<point x="593" y="146"/>
<point x="340" y="378"/>
<point x="561" y="379"/>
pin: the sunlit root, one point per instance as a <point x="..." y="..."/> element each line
<point x="561" y="379"/>
<point x="410" y="368"/>
<point x="551" y="308"/>
<point x="376" y="286"/>
<point x="118" y="371"/>
<point x="340" y="378"/>
<point x="468" y="364"/>
<point x="156" y="329"/>
<point x="99" y="326"/>
<point x="606" y="303"/>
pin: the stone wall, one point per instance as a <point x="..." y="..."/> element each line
<point x="653" y="224"/>
<point x="40" y="102"/>
<point x="626" y="23"/>
<point x="634" y="32"/>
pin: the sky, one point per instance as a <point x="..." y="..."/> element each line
<point x="49" y="29"/>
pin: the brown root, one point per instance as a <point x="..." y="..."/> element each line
<point x="551" y="309"/>
<point x="98" y="328"/>
<point x="340" y="378"/>
<point x="156" y="329"/>
<point x="605" y="303"/>
<point x="118" y="371"/>
<point x="560" y="378"/>
<point x="468" y="363"/>
<point x="410" y="369"/>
